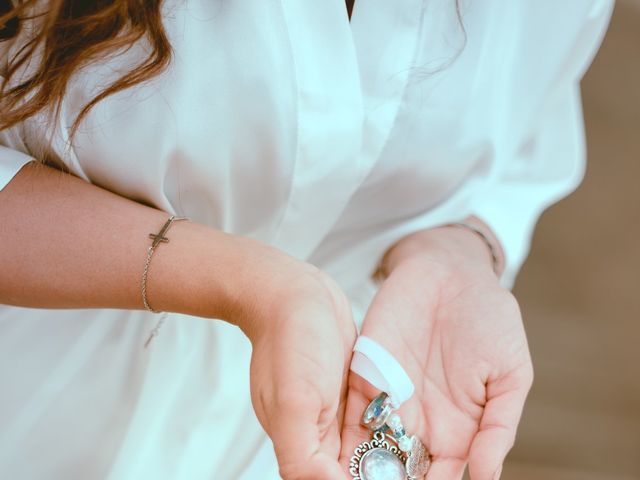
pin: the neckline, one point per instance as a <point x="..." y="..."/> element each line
<point x="350" y="5"/>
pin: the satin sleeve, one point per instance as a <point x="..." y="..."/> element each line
<point x="11" y="160"/>
<point x="547" y="160"/>
<point x="13" y="150"/>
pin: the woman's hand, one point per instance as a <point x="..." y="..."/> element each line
<point x="302" y="333"/>
<point x="459" y="336"/>
<point x="296" y="318"/>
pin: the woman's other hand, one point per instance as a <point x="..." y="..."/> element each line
<point x="296" y="318"/>
<point x="460" y="337"/>
<point x="302" y="333"/>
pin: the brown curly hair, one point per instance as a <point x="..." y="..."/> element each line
<point x="69" y="35"/>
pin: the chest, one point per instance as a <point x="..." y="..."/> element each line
<point x="270" y="106"/>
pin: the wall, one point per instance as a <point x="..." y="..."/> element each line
<point x="580" y="291"/>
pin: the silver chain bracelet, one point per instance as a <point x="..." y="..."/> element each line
<point x="157" y="238"/>
<point x="492" y="248"/>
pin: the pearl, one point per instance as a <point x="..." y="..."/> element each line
<point x="394" y="422"/>
<point x="381" y="464"/>
<point x="405" y="443"/>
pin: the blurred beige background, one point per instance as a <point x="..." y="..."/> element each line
<point x="580" y="291"/>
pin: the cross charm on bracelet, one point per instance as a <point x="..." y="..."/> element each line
<point x="159" y="237"/>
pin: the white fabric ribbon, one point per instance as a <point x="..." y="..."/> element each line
<point x="381" y="369"/>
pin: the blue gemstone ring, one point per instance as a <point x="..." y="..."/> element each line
<point x="380" y="416"/>
<point x="382" y="419"/>
<point x="376" y="414"/>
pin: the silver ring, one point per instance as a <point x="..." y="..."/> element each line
<point x="410" y="459"/>
<point x="377" y="412"/>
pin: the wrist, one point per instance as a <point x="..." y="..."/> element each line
<point x="473" y="247"/>
<point x="195" y="273"/>
<point x="252" y="285"/>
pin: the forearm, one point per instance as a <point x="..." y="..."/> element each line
<point x="69" y="244"/>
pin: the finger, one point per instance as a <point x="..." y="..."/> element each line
<point x="446" y="469"/>
<point x="344" y="389"/>
<point x="302" y="449"/>
<point x="319" y="467"/>
<point x="353" y="433"/>
<point x="498" y="426"/>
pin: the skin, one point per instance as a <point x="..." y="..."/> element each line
<point x="69" y="244"/>
<point x="459" y="336"/>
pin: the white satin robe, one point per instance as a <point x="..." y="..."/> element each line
<point x="280" y="120"/>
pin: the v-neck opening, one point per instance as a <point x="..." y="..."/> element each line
<point x="349" y="4"/>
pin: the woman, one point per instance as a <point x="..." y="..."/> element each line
<point x="308" y="150"/>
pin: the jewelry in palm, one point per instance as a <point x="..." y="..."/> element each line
<point x="390" y="454"/>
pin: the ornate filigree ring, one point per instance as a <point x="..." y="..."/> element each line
<point x="377" y="459"/>
<point x="405" y="458"/>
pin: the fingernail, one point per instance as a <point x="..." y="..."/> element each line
<point x="496" y="476"/>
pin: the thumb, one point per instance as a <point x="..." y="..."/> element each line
<point x="304" y="448"/>
<point x="353" y="433"/>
